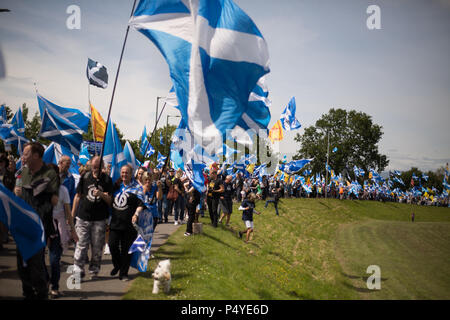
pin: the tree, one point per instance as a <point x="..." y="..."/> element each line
<point x="355" y="136"/>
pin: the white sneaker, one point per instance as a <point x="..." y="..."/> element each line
<point x="106" y="251"/>
<point x="175" y="223"/>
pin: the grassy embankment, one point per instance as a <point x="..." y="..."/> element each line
<point x="315" y="249"/>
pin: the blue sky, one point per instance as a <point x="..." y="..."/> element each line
<point x="321" y="52"/>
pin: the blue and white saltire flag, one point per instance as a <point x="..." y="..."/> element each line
<point x="176" y="157"/>
<point x="424" y="176"/>
<point x="445" y="184"/>
<point x="113" y="151"/>
<point x="144" y="142"/>
<point x="160" y="159"/>
<point x="161" y="141"/>
<point x="53" y="154"/>
<point x="17" y="122"/>
<point x="84" y="155"/>
<point x="140" y="249"/>
<point x="361" y="172"/>
<point x="215" y="54"/>
<point x="61" y="131"/>
<point x="398" y="173"/>
<point x="97" y="74"/>
<point x="130" y="158"/>
<point x="74" y="117"/>
<point x="258" y="108"/>
<point x="288" y="120"/>
<point x="297" y="165"/>
<point x="356" y="171"/>
<point x="10" y="135"/>
<point x="22" y="222"/>
<point x="194" y="171"/>
<point x="3" y="117"/>
<point x="150" y="151"/>
<point x="171" y="98"/>
<point x="399" y="180"/>
<point x="414" y="177"/>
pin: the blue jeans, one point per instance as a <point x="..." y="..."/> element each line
<point x="55" y="250"/>
<point x="161" y="206"/>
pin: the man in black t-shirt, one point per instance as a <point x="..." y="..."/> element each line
<point x="226" y="200"/>
<point x="93" y="197"/>
<point x="215" y="190"/>
<point x="276" y="193"/>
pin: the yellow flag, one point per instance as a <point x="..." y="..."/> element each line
<point x="98" y="125"/>
<point x="250" y="168"/>
<point x="276" y="133"/>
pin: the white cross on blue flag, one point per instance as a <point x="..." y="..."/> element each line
<point x="23" y="223"/>
<point x="216" y="55"/>
<point x="288" y="119"/>
<point x="113" y="151"/>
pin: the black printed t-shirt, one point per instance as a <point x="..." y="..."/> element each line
<point x="123" y="208"/>
<point x="93" y="208"/>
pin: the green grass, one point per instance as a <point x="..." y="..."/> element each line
<point x="315" y="249"/>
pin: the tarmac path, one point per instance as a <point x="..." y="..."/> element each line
<point x="104" y="287"/>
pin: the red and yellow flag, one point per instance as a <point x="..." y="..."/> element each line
<point x="276" y="133"/>
<point x="98" y="125"/>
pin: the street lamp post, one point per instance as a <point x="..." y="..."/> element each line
<point x="326" y="168"/>
<point x="167" y="129"/>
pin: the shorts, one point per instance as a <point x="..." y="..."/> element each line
<point x="227" y="206"/>
<point x="248" y="224"/>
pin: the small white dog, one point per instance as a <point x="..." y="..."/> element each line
<point x="161" y="276"/>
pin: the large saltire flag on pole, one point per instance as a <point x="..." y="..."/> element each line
<point x="113" y="151"/>
<point x="61" y="131"/>
<point x="18" y="123"/>
<point x="98" y="125"/>
<point x="75" y="117"/>
<point x="216" y="55"/>
<point x="23" y="222"/>
<point x="97" y="74"/>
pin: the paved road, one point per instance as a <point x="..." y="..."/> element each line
<point x="104" y="287"/>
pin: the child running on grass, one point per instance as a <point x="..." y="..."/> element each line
<point x="248" y="207"/>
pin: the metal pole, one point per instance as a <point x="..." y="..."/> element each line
<point x="113" y="92"/>
<point x="326" y="168"/>
<point x="157" y="102"/>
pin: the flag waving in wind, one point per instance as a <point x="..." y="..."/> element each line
<point x="97" y="74"/>
<point x="98" y="125"/>
<point x="216" y="55"/>
<point x="113" y="151"/>
<point x="288" y="120"/>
